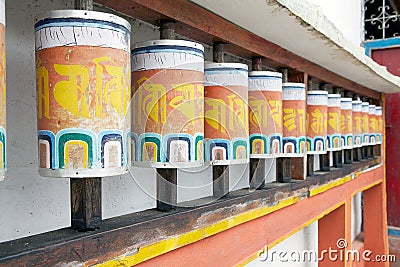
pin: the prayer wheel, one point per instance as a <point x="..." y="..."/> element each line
<point x="265" y="114"/>
<point x="357" y="123"/>
<point x="83" y="93"/>
<point x="226" y="128"/>
<point x="346" y="121"/>
<point x="364" y="123"/>
<point x="317" y="122"/>
<point x="167" y="108"/>
<point x="379" y="125"/>
<point x="294" y="119"/>
<point x="372" y="124"/>
<point x="334" y="126"/>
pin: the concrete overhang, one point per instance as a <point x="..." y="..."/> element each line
<point x="302" y="28"/>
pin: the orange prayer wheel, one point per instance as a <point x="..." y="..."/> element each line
<point x="265" y="114"/>
<point x="317" y="122"/>
<point x="346" y="122"/>
<point x="83" y="93"/>
<point x="357" y="123"/>
<point x="379" y="123"/>
<point x="372" y="124"/>
<point x="167" y="108"/>
<point x="294" y="119"/>
<point x="334" y="126"/>
<point x="226" y="128"/>
<point x="364" y="123"/>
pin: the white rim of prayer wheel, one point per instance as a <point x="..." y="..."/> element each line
<point x="84" y="14"/>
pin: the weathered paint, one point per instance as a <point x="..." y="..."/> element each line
<point x="321" y="189"/>
<point x="365" y="123"/>
<point x="346" y="122"/>
<point x="334" y="123"/>
<point x="83" y="93"/>
<point x="265" y="114"/>
<point x="154" y="250"/>
<point x="372" y="124"/>
<point x="167" y="108"/>
<point x="323" y="203"/>
<point x="294" y="119"/>
<point x="207" y="251"/>
<point x="226" y="129"/>
<point x="357" y="123"/>
<point x="392" y="161"/>
<point x="317" y="122"/>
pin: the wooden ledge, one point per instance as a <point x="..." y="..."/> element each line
<point x="125" y="235"/>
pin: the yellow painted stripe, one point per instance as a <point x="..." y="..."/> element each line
<point x="153" y="250"/>
<point x="273" y="244"/>
<point x="326" y="187"/>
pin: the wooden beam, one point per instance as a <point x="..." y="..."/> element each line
<point x="85" y="203"/>
<point x="204" y="26"/>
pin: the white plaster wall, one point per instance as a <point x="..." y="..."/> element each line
<point x="305" y="239"/>
<point x="31" y="204"/>
<point x="356" y="216"/>
<point x="347" y="15"/>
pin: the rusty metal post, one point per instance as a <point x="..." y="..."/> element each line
<point x="167" y="178"/>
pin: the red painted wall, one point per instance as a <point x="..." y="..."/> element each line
<point x="391" y="59"/>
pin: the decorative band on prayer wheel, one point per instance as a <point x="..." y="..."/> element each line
<point x="294" y="119"/>
<point x="226" y="128"/>
<point x="167" y="108"/>
<point x="317" y="122"/>
<point x="83" y="93"/>
<point x="265" y="114"/>
<point x="346" y="122"/>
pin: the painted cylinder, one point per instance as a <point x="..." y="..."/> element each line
<point x="364" y="123"/>
<point x="346" y="122"/>
<point x="372" y="124"/>
<point x="265" y="114"/>
<point x="334" y="126"/>
<point x="294" y="119"/>
<point x="317" y="122"/>
<point x="379" y="125"/>
<point x="226" y="128"/>
<point x="3" y="102"/>
<point x="357" y="124"/>
<point x="167" y="108"/>
<point x="83" y="93"/>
